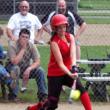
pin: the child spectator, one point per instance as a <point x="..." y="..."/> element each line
<point x="5" y="77"/>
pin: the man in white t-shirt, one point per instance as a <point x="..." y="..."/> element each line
<point x="24" y="19"/>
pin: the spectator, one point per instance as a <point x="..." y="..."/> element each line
<point x="62" y="69"/>
<point x="24" y="19"/>
<point x="25" y="62"/>
<point x="74" y="21"/>
<point x="5" y="77"/>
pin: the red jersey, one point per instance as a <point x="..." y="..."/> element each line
<point x="53" y="68"/>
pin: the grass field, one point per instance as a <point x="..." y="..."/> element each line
<point x="92" y="51"/>
<point x="94" y="4"/>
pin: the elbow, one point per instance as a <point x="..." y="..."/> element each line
<point x="61" y="65"/>
<point x="84" y="25"/>
<point x="8" y="32"/>
<point x="15" y="62"/>
<point x="37" y="62"/>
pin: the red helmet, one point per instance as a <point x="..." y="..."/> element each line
<point x="58" y="19"/>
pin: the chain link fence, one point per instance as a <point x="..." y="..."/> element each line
<point x="95" y="41"/>
<point x="37" y="7"/>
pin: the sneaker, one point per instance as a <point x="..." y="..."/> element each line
<point x="23" y="89"/>
<point x="37" y="106"/>
<point x="13" y="98"/>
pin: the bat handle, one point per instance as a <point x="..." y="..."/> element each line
<point x="74" y="85"/>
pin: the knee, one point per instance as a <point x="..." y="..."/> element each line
<point x="40" y="69"/>
<point x="80" y="87"/>
<point x="52" y="103"/>
<point x="16" y="70"/>
<point x="40" y="72"/>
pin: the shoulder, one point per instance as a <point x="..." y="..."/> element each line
<point x="48" y="16"/>
<point x="32" y="46"/>
<point x="32" y="15"/>
<point x="15" y="15"/>
<point x="54" y="38"/>
<point x="69" y="36"/>
<point x="51" y="14"/>
<point x="13" y="45"/>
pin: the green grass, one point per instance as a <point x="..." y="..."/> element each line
<point x="94" y="4"/>
<point x="100" y="18"/>
<point x="93" y="52"/>
<point x="3" y="21"/>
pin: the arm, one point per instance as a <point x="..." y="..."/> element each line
<point x="31" y="67"/>
<point x="74" y="68"/>
<point x="38" y="34"/>
<point x="81" y="25"/>
<point x="35" y="57"/>
<point x="72" y="50"/>
<point x="46" y="29"/>
<point x="46" y="22"/>
<point x="11" y="26"/>
<point x="16" y="58"/>
<point x="80" y="30"/>
<point x="34" y="65"/>
<point x="10" y="34"/>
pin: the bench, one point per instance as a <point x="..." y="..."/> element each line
<point x="95" y="78"/>
<point x="98" y="85"/>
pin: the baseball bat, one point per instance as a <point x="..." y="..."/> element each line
<point x="73" y="88"/>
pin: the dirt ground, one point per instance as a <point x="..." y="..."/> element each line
<point x="62" y="106"/>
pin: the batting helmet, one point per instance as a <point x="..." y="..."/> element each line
<point x="58" y="19"/>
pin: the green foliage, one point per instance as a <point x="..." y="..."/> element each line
<point x="3" y="21"/>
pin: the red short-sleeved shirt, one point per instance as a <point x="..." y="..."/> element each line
<point x="53" y="68"/>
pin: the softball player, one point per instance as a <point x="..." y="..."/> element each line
<point x="62" y="69"/>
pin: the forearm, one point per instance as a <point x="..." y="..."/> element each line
<point x="47" y="30"/>
<point x="10" y="34"/>
<point x="38" y="34"/>
<point x="35" y="64"/>
<point x="81" y="29"/>
<point x="64" y="69"/>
